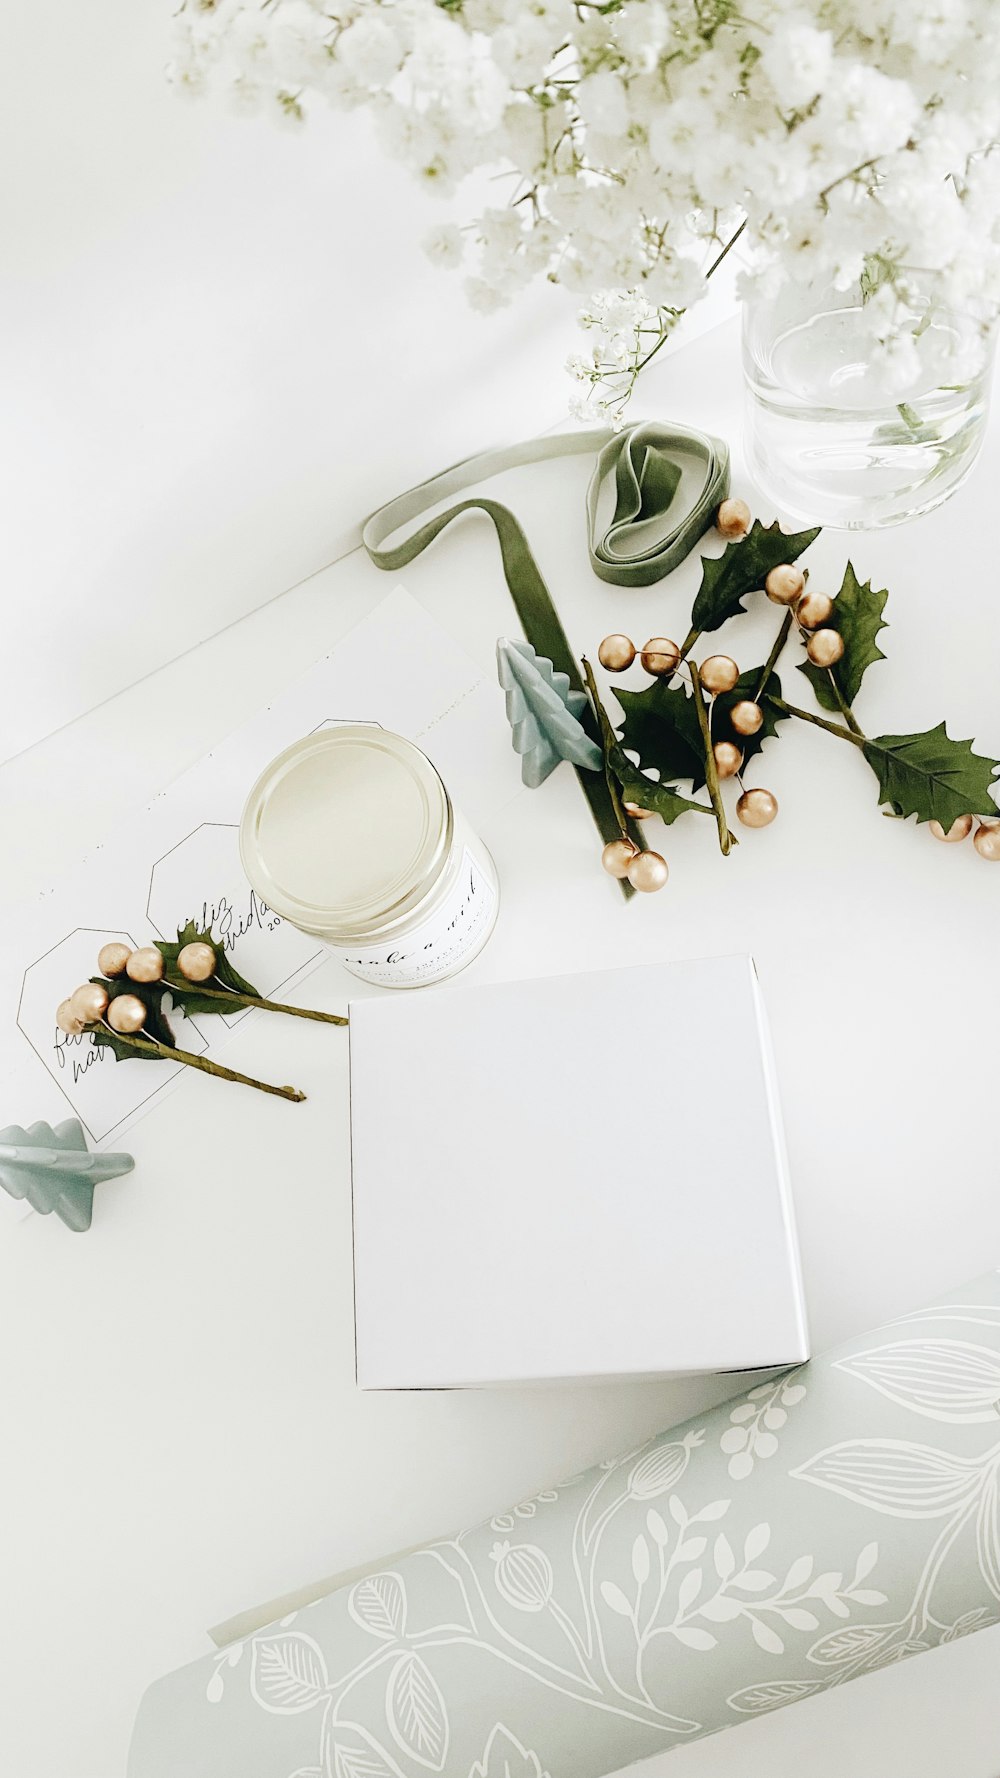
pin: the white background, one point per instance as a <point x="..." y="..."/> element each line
<point x="220" y="347"/>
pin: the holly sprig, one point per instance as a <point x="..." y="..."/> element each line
<point x="127" y="1008"/>
<point x="695" y="726"/>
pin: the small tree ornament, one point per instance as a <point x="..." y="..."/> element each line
<point x="544" y="714"/>
<point x="52" y="1169"/>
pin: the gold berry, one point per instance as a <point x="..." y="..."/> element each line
<point x="617" y="856"/>
<point x="813" y="609"/>
<point x="987" y="842"/>
<point x="636" y="812"/>
<point x="111" y="959"/>
<point x="746" y="717"/>
<point x="785" y="584"/>
<point x="145" y="965"/>
<point x="196" y="962"/>
<point x="647" y="872"/>
<point x="68" y="1019"/>
<point x="719" y="673"/>
<point x="728" y="758"/>
<point x="960" y="829"/>
<point x="825" y="648"/>
<point x="89" y="1001"/>
<point x="660" y="655"/>
<point x="616" y="653"/>
<point x="757" y="808"/>
<point x="126" y="1013"/>
<point x="733" y="518"/>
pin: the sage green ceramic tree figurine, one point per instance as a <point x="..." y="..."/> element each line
<point x="52" y="1169"/>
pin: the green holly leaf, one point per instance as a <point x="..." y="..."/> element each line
<point x="151" y="994"/>
<point x="931" y="776"/>
<point x="194" y="1003"/>
<point x="742" y="567"/>
<point x="664" y="799"/>
<point x="661" y="726"/>
<point x="857" y="614"/>
<point x="748" y="685"/>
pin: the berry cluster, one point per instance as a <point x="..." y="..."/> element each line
<point x="91" y="1004"/>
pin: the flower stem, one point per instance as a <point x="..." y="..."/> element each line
<point x="148" y="1046"/>
<point x="832" y="728"/>
<point x="235" y="998"/>
<point x="726" y="840"/>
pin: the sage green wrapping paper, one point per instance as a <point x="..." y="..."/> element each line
<point x="824" y="1524"/>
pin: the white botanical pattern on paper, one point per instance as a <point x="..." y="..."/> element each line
<point x="504" y="1757"/>
<point x="666" y="1593"/>
<point x="755" y="1423"/>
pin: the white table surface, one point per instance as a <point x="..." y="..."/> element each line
<point x="181" y="1432"/>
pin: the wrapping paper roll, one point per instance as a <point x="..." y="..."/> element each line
<point x="827" y="1523"/>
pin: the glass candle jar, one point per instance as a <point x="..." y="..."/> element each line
<point x="351" y="835"/>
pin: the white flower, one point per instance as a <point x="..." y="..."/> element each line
<point x="796" y="58"/>
<point x="483" y="298"/>
<point x="370" y="51"/>
<point x="444" y="245"/>
<point x="621" y="148"/>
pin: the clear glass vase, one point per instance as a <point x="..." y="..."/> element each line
<point x="843" y="431"/>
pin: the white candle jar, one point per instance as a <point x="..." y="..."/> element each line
<point x="351" y="835"/>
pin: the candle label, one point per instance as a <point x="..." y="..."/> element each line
<point x="449" y="937"/>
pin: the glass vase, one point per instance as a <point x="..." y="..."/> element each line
<point x="846" y="431"/>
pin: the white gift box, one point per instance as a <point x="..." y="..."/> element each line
<point x="552" y="1183"/>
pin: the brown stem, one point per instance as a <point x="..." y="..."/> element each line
<point x="687" y="645"/>
<point x="726" y="840"/>
<point x="236" y="998"/>
<point x="608" y="740"/>
<point x="832" y="728"/>
<point x="843" y="706"/>
<point x="149" y="1046"/>
<point x="769" y="665"/>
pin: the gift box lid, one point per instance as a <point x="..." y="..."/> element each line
<point x="551" y="1183"/>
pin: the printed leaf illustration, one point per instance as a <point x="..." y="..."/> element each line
<point x="747" y="687"/>
<point x="665" y="799"/>
<point x="969" y="1621"/>
<point x="766" y="1638"/>
<point x="504" y="1757"/>
<point x="931" y="776"/>
<point x="694" y="1638"/>
<point x="753" y="1700"/>
<point x="288" y="1673"/>
<point x="416" y="1712"/>
<point x="354" y="1753"/>
<point x="857" y="614"/>
<point x="661" y="726"/>
<point x="743" y="566"/>
<point x="950" y="1380"/>
<point x="988" y="1534"/>
<point x="378" y="1604"/>
<point x="851" y="1644"/>
<point x="151" y="994"/>
<point x="544" y="714"/>
<point x="615" y="1599"/>
<point x="892" y="1476"/>
<point x="196" y="1004"/>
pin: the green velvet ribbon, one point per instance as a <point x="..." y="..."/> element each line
<point x="653" y="493"/>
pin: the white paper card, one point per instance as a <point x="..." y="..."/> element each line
<point x="178" y="859"/>
<point x="510" y="1225"/>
